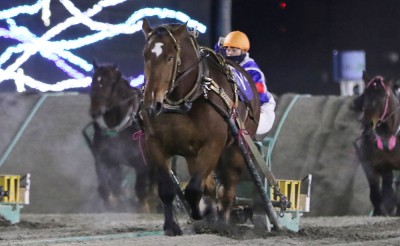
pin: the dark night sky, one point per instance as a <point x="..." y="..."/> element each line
<point x="294" y="45"/>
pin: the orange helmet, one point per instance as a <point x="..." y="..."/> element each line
<point x="237" y="39"/>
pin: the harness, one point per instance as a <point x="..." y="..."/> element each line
<point x="126" y="122"/>
<point x="205" y="85"/>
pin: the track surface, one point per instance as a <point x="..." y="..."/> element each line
<point x="140" y="229"/>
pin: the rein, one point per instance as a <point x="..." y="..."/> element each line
<point x="122" y="102"/>
<point x="389" y="115"/>
<point x="190" y="96"/>
<point x="180" y="76"/>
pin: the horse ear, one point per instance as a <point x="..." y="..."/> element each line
<point x="146" y="27"/>
<point x="365" y="76"/>
<point x="396" y="85"/>
<point x="95" y="66"/>
<point x="180" y="29"/>
<point x="390" y="82"/>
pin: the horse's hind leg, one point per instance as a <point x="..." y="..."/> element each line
<point x="210" y="192"/>
<point x="229" y="171"/>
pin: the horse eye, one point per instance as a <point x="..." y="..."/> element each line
<point x="170" y="58"/>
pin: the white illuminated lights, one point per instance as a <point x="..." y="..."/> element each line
<point x="59" y="52"/>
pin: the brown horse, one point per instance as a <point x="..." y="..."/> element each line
<point x="114" y="106"/>
<point x="187" y="101"/>
<point x="379" y="149"/>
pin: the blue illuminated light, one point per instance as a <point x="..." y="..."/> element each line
<point x="60" y="52"/>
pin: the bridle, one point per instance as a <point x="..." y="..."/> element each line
<point x="177" y="57"/>
<point x="176" y="74"/>
<point x="373" y="82"/>
<point x="129" y="116"/>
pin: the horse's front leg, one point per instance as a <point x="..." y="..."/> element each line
<point x="167" y="192"/>
<point x="193" y="194"/>
<point x="166" y="187"/>
<point x="373" y="178"/>
<point x="388" y="197"/>
<point x="104" y="184"/>
<point x="141" y="187"/>
<point x="397" y="190"/>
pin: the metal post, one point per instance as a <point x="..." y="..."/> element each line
<point x="225" y="17"/>
<point x="221" y="15"/>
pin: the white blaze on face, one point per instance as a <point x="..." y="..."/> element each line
<point x="157" y="50"/>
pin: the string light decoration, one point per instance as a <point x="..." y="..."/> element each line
<point x="60" y="52"/>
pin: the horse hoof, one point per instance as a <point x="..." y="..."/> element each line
<point x="197" y="216"/>
<point x="377" y="213"/>
<point x="172" y="229"/>
<point x="144" y="209"/>
<point x="208" y="209"/>
<point x="173" y="232"/>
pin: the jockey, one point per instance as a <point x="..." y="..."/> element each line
<point x="235" y="47"/>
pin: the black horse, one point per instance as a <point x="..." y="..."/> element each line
<point x="114" y="106"/>
<point x="379" y="149"/>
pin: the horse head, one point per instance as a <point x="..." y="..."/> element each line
<point x="165" y="49"/>
<point x="102" y="89"/>
<point x="379" y="100"/>
<point x="114" y="103"/>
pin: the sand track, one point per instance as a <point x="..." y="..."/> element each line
<point x="140" y="229"/>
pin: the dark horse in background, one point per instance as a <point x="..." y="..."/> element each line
<point x="187" y="101"/>
<point x="379" y="150"/>
<point x="113" y="108"/>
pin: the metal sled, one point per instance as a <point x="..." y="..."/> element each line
<point x="14" y="194"/>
